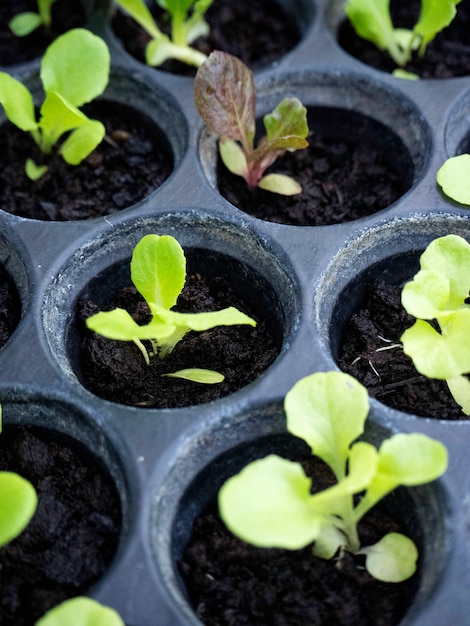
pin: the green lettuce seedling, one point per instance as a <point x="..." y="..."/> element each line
<point x="270" y="504"/>
<point x="225" y="98"/>
<point x="158" y="271"/>
<point x="80" y="611"/>
<point x="439" y="292"/>
<point x="371" y="20"/>
<point x="453" y="177"/>
<point x="74" y="70"/>
<point x="187" y="24"/>
<point x="24" y="23"/>
<point x="18" y="502"/>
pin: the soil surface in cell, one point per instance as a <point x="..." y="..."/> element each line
<point x="447" y="56"/>
<point x="13" y="50"/>
<point x="371" y="352"/>
<point x="132" y="161"/>
<point x="231" y="583"/>
<point x="73" y="536"/>
<point x="116" y="370"/>
<point x="342" y="178"/>
<point x="258" y="32"/>
<point x="10" y="306"/>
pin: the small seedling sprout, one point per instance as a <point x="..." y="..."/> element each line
<point x="371" y="20"/>
<point x="80" y="611"/>
<point x="74" y="71"/>
<point x="439" y="291"/>
<point x="187" y="24"/>
<point x="158" y="271"/>
<point x="453" y="177"/>
<point x="25" y="23"/>
<point x="225" y="97"/>
<point x="270" y="504"/>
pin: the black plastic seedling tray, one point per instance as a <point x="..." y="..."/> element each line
<point x="166" y="463"/>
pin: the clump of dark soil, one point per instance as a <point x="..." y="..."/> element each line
<point x="259" y="32"/>
<point x="116" y="370"/>
<point x="13" y="50"/>
<point x="132" y="161"/>
<point x="73" y="536"/>
<point x="371" y="352"/>
<point x="10" y="306"/>
<point x="231" y="583"/>
<point x="344" y="175"/>
<point x="447" y="56"/>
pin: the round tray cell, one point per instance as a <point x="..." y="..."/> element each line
<point x="368" y="146"/>
<point x="445" y="57"/>
<point x="226" y="266"/>
<point x="187" y="491"/>
<point x="80" y="520"/>
<point x="16" y="51"/>
<point x="361" y="318"/>
<point x="457" y="129"/>
<point x="260" y="33"/>
<point x="146" y="138"/>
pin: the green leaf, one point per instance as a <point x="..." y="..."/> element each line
<point x="17" y="102"/>
<point x="24" y="23"/>
<point x="82" y="141"/>
<point x="438" y="355"/>
<point x="328" y="542"/>
<point x="33" y="171"/>
<point x="198" y="375"/>
<point x="459" y="387"/>
<point x="392" y="559"/>
<point x="202" y="321"/>
<point x="328" y="411"/>
<point x="268" y="504"/>
<point x="289" y="118"/>
<point x="45" y="11"/>
<point x="139" y="11"/>
<point x="158" y="269"/>
<point x="18" y="501"/>
<point x="281" y="184"/>
<point x="233" y="157"/>
<point x="76" y="65"/>
<point x="453" y="177"/>
<point x="224" y="95"/>
<point x="120" y="326"/>
<point x="399" y="73"/>
<point x="80" y="611"/>
<point x="427" y="296"/>
<point x="435" y="15"/>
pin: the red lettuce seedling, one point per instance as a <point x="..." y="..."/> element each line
<point x="24" y="23"/>
<point x="270" y="504"/>
<point x="371" y="20"/>
<point x="225" y="98"/>
<point x="158" y="271"/>
<point x="74" y="70"/>
<point x="80" y="611"/>
<point x="187" y="24"/>
<point x="439" y="291"/>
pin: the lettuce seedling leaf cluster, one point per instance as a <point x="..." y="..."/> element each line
<point x="24" y="24"/>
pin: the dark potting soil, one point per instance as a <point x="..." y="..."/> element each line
<point x="231" y="583"/>
<point x="371" y="352"/>
<point x="116" y="370"/>
<point x="258" y="32"/>
<point x="447" y="56"/>
<point x="13" y="50"/>
<point x="131" y="162"/>
<point x="10" y="306"/>
<point x="73" y="536"/>
<point x="342" y="178"/>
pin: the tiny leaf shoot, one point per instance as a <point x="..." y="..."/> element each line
<point x="80" y="611"/>
<point x="224" y="95"/>
<point x="453" y="177"/>
<point x="270" y="504"/>
<point x="158" y="271"/>
<point x="68" y="83"/>
<point x="24" y="24"/>
<point x="371" y="20"/>
<point x="187" y="24"/>
<point x="439" y="292"/>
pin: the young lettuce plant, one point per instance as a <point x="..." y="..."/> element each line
<point x="453" y="177"/>
<point x="270" y="504"/>
<point x="18" y="502"/>
<point x="80" y="611"/>
<point x="74" y="70"/>
<point x="24" y="23"/>
<point x="187" y="24"/>
<point x="439" y="291"/>
<point x="224" y="94"/>
<point x="158" y="271"/>
<point x="371" y="20"/>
